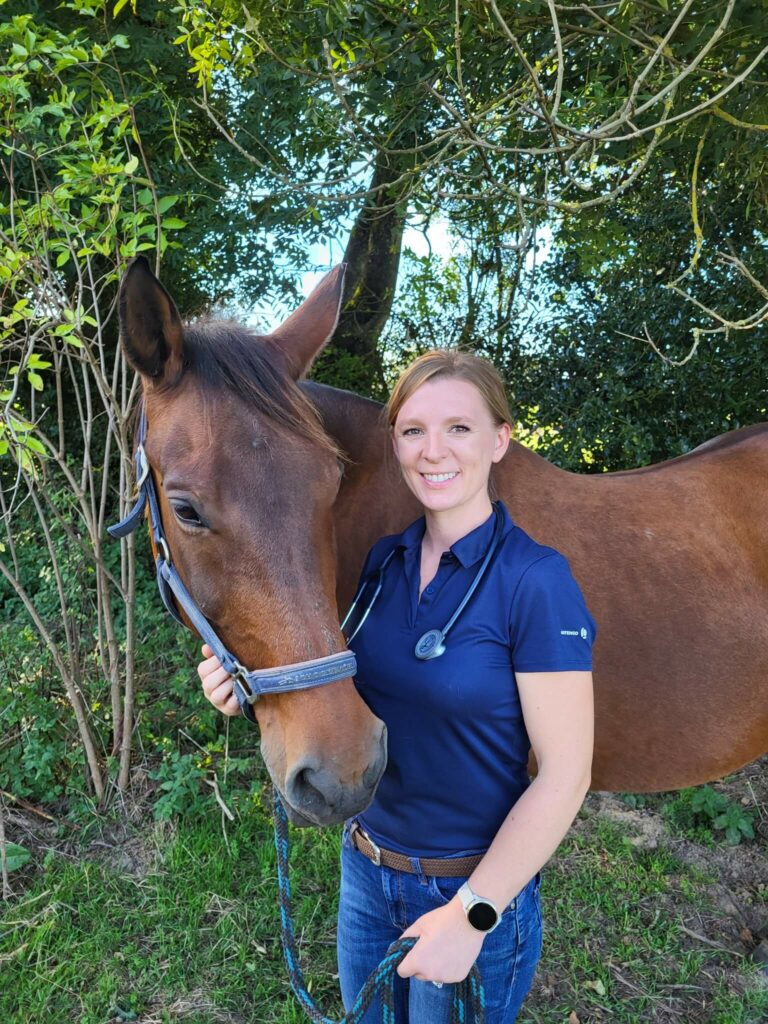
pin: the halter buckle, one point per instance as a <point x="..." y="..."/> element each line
<point x="162" y="546"/>
<point x="143" y="466"/>
<point x="240" y="674"/>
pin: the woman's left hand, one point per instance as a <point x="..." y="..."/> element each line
<point x="448" y="945"/>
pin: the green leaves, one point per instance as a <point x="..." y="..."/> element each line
<point x="120" y="4"/>
<point x="709" y="809"/>
<point x="16" y="856"/>
<point x="78" y="205"/>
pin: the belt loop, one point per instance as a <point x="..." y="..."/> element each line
<point x="417" y="870"/>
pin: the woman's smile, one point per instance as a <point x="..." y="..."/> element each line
<point x="439" y="479"/>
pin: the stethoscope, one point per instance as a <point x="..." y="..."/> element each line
<point x="432" y="644"/>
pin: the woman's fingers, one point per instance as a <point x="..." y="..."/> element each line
<point x="213" y="680"/>
<point x="207" y="667"/>
<point x="217" y="683"/>
<point x="224" y="700"/>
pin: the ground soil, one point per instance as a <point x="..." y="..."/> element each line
<point x="730" y="917"/>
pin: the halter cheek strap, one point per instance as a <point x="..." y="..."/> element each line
<point x="248" y="685"/>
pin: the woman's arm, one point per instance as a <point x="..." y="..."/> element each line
<point x="559" y="717"/>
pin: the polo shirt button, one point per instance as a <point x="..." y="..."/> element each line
<point x="428" y="590"/>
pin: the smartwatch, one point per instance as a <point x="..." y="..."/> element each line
<point x="481" y="913"/>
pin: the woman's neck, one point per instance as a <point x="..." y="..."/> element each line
<point x="444" y="528"/>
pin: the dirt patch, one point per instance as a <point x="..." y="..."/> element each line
<point x="195" y="1004"/>
<point x="717" y="903"/>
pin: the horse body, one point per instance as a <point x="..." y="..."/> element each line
<point x="269" y="536"/>
<point x="673" y="563"/>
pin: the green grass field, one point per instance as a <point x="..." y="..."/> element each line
<point x="178" y="922"/>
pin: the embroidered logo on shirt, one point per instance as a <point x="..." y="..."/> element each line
<point x="575" y="632"/>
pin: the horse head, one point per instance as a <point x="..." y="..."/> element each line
<point x="246" y="479"/>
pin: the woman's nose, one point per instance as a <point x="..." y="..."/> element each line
<point x="434" y="446"/>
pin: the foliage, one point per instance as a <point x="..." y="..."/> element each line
<point x="179" y="778"/>
<point x="16" y="856"/>
<point x="705" y="809"/>
<point x="80" y="201"/>
<point x="507" y="120"/>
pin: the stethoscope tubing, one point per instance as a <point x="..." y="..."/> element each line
<point x="432" y="644"/>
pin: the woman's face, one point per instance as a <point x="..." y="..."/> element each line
<point x="445" y="440"/>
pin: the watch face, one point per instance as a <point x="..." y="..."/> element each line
<point x="482" y="916"/>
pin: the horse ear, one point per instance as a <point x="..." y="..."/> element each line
<point x="150" y="325"/>
<point x="305" y="333"/>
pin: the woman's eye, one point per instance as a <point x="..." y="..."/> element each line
<point x="186" y="514"/>
<point x="410" y="431"/>
<point x="461" y="428"/>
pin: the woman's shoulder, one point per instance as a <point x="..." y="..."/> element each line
<point x="522" y="554"/>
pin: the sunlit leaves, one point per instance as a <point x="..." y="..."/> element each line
<point x="77" y="205"/>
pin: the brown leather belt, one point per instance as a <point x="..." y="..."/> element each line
<point x="445" y="867"/>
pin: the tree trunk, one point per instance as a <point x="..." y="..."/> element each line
<point x="353" y="360"/>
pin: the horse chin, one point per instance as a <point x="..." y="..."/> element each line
<point x="301" y="820"/>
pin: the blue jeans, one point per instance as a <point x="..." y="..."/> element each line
<point x="377" y="904"/>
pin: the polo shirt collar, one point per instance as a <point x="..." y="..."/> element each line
<point x="468" y="549"/>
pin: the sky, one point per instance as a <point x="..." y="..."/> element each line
<point x="326" y="255"/>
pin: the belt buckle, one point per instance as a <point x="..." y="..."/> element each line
<point x="357" y="827"/>
<point x="376" y="858"/>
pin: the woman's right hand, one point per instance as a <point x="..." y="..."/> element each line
<point x="217" y="683"/>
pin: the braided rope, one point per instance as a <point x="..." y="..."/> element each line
<point x="467" y="994"/>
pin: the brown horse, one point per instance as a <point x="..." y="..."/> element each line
<point x="268" y="528"/>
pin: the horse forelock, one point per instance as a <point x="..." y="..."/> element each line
<point x="225" y="355"/>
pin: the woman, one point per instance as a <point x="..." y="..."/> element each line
<point x="451" y="847"/>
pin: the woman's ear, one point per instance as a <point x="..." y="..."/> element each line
<point x="503" y="434"/>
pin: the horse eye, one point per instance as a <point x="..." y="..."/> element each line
<point x="186" y="514"/>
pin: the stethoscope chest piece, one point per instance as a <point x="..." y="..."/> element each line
<point x="430" y="645"/>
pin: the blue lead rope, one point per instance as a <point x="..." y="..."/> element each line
<point x="467" y="995"/>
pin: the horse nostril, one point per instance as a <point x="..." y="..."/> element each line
<point x="312" y="791"/>
<point x="316" y="792"/>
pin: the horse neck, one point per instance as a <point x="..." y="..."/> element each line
<point x="373" y="501"/>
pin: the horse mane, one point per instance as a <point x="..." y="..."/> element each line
<point x="225" y="355"/>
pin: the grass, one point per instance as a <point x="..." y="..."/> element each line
<point x="189" y="930"/>
<point x="91" y="943"/>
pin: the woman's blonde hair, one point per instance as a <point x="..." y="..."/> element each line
<point x="458" y="365"/>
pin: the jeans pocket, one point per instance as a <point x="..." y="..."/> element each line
<point x="443" y="888"/>
<point x="529" y="910"/>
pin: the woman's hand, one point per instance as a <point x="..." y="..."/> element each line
<point x="448" y="945"/>
<point x="217" y="683"/>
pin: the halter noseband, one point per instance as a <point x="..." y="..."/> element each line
<point x="248" y="685"/>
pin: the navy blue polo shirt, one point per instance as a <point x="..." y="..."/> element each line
<point x="457" y="744"/>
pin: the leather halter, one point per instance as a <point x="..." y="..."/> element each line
<point x="248" y="685"/>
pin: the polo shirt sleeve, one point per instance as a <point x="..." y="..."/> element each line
<point x="550" y="629"/>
